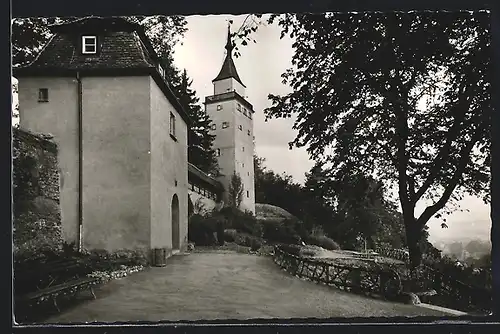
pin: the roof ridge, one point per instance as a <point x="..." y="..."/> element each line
<point x="141" y="45"/>
<point x="79" y="19"/>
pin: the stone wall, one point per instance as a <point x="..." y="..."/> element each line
<point x="37" y="216"/>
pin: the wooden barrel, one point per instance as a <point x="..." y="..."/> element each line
<point x="159" y="257"/>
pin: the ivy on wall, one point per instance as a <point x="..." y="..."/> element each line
<point x="37" y="218"/>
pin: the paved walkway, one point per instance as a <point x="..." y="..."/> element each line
<point x="219" y="285"/>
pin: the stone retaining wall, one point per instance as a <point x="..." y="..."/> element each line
<point x="37" y="215"/>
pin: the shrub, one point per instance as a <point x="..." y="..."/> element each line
<point x="230" y="235"/>
<point x="280" y="232"/>
<point x="308" y="253"/>
<point x="201" y="229"/>
<point x="242" y="221"/>
<point x="255" y="244"/>
<point x="291" y="249"/>
<point x="323" y="241"/>
<point x="102" y="260"/>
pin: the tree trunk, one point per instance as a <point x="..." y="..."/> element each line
<point x="413" y="236"/>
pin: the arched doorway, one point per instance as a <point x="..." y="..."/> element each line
<point x="176" y="245"/>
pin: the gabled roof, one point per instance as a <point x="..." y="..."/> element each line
<point x="228" y="69"/>
<point x="124" y="50"/>
<point x="119" y="50"/>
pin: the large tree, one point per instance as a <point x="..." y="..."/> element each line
<point x="235" y="191"/>
<point x="278" y="189"/>
<point x="352" y="207"/>
<point x="200" y="139"/>
<point x="402" y="96"/>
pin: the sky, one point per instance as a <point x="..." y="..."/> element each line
<point x="260" y="67"/>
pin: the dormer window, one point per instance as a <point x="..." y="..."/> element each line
<point x="89" y="45"/>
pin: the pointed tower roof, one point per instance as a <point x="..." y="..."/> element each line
<point x="228" y="69"/>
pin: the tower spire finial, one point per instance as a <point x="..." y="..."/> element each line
<point x="229" y="43"/>
<point x="228" y="69"/>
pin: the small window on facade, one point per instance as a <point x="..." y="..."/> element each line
<point x="214" y="127"/>
<point x="172" y="124"/>
<point x="238" y="107"/>
<point x="43" y="95"/>
<point x="225" y="125"/>
<point x="243" y="148"/>
<point x="243" y="164"/>
<point x="248" y="132"/>
<point x="244" y="111"/>
<point x="248" y="194"/>
<point x="248" y="173"/>
<point x="218" y="152"/>
<point x="219" y="107"/>
<point x="240" y="127"/>
<point x="250" y="115"/>
<point x="89" y="44"/>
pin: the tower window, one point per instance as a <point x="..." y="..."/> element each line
<point x="218" y="152"/>
<point x="43" y="95"/>
<point x="172" y="125"/>
<point x="240" y="127"/>
<point x="248" y="194"/>
<point x="238" y="107"/>
<point x="248" y="132"/>
<point x="243" y="148"/>
<point x="244" y="111"/>
<point x="225" y="125"/>
<point x="89" y="44"/>
<point x="219" y="107"/>
<point x="214" y="127"/>
<point x="243" y="164"/>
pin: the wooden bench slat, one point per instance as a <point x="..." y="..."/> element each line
<point x="83" y="283"/>
<point x="63" y="272"/>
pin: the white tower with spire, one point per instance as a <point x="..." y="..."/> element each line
<point x="232" y="117"/>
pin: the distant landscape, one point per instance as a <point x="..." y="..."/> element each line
<point x="465" y="249"/>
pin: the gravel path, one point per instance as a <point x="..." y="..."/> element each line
<point x="224" y="285"/>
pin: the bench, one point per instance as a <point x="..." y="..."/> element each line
<point x="41" y="281"/>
